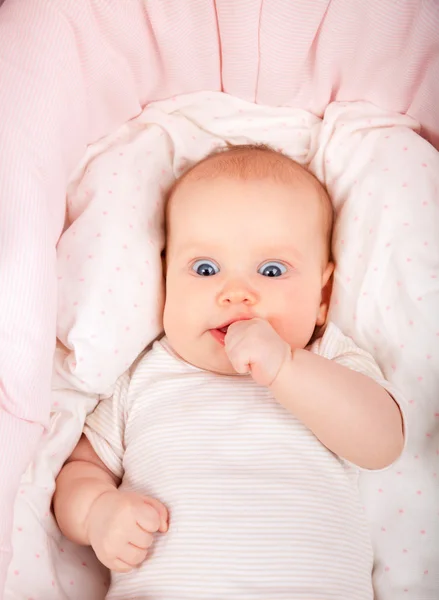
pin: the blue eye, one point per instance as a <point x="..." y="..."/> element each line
<point x="205" y="268"/>
<point x="272" y="269"/>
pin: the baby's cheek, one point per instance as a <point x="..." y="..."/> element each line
<point x="296" y="324"/>
<point x="184" y="308"/>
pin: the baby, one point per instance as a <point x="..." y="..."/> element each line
<point x="225" y="464"/>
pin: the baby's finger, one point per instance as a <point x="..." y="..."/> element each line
<point x="240" y="362"/>
<point x="236" y="333"/>
<point x="131" y="555"/>
<point x="140" y="538"/>
<point x="242" y="366"/>
<point x="162" y="513"/>
<point x="119" y="566"/>
<point x="147" y="517"/>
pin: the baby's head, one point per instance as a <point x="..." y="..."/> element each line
<point x="248" y="235"/>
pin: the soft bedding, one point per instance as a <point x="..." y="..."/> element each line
<point x="384" y="181"/>
<point x="72" y="71"/>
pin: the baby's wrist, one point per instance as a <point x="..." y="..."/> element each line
<point x="284" y="368"/>
<point x="94" y="511"/>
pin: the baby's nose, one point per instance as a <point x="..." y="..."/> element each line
<point x="237" y="293"/>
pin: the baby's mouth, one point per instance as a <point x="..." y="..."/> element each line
<point x="219" y="334"/>
<point x="224" y="329"/>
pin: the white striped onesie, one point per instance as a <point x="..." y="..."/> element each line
<point x="259" y="508"/>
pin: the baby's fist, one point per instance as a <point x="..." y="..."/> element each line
<point x="254" y="347"/>
<point x="121" y="527"/>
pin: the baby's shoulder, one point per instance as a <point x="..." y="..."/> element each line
<point x="333" y="343"/>
<point x="341" y="348"/>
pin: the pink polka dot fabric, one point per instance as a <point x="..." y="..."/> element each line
<point x="110" y="295"/>
<point x="46" y="566"/>
<point x="384" y="180"/>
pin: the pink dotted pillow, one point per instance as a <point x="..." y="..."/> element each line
<point x="109" y="266"/>
<point x="384" y="181"/>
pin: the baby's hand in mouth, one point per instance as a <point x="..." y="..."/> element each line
<point x="254" y="347"/>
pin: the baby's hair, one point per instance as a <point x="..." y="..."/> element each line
<point x="256" y="161"/>
<point x="245" y="161"/>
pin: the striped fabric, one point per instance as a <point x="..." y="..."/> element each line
<point x="259" y="508"/>
<point x="71" y="71"/>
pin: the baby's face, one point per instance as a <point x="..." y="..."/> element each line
<point x="239" y="249"/>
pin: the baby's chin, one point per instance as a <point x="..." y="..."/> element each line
<point x="220" y="368"/>
<point x="213" y="363"/>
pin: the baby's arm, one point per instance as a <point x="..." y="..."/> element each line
<point x="351" y="414"/>
<point x="90" y="510"/>
<point x="81" y="481"/>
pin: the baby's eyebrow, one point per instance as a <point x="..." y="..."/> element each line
<point x="195" y="249"/>
<point x="282" y="250"/>
<point x="275" y="251"/>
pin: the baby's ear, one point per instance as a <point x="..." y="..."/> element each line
<point x="326" y="294"/>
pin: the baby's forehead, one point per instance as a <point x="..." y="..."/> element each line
<point x="254" y="163"/>
<point x="246" y="164"/>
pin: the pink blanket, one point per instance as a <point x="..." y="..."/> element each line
<point x="71" y="71"/>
